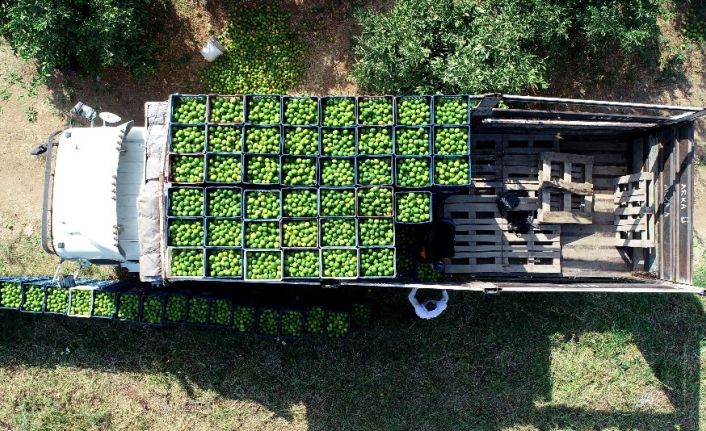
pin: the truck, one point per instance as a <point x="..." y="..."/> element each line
<point x="516" y="194"/>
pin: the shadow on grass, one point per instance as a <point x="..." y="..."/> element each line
<point x="485" y="364"/>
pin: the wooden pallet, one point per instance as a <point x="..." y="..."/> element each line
<point x="484" y="243"/>
<point x="634" y="215"/>
<point x="566" y="182"/>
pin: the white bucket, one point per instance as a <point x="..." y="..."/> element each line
<point x="212" y="50"/>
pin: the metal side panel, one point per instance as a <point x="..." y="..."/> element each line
<point x="684" y="190"/>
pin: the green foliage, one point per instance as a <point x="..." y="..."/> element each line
<point x="83" y="35"/>
<point x="427" y="46"/>
<point x="263" y="55"/>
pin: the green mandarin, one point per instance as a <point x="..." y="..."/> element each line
<point x="128" y="307"/>
<point x="375" y="171"/>
<point x="337" y="172"/>
<point x="225" y="139"/>
<point x="104" y="304"/>
<point x="301" y="141"/>
<point x="292" y="323"/>
<point x="262" y="234"/>
<point x="187" y="263"/>
<point x="264" y="265"/>
<point x="185" y="232"/>
<point x="451" y="171"/>
<point x="224" y="169"/>
<point x="175" y="308"/>
<point x="262" y="169"/>
<point x="225" y="263"/>
<point x="187" y="169"/>
<point x="338" y="142"/>
<point x="220" y="312"/>
<point x="198" y="310"/>
<point x="413" y="111"/>
<point x="226" y="110"/>
<point x="427" y="273"/>
<point x="413" y="207"/>
<point x="189" y="110"/>
<point x="186" y="202"/>
<point x="315" y="320"/>
<point x="301" y="263"/>
<point x="300" y="233"/>
<point x="262" y="205"/>
<point x="339" y="112"/>
<point x="264" y="110"/>
<point x="450" y="110"/>
<point x="375" y="201"/>
<point x="57" y="300"/>
<point x="405" y="242"/>
<point x="451" y="141"/>
<point x="361" y="315"/>
<point x="224" y="233"/>
<point x="267" y="322"/>
<point x="413" y="172"/>
<point x="375" y="232"/>
<point x="339" y="263"/>
<point x="412" y="141"/>
<point x="337" y="325"/>
<point x="301" y="111"/>
<point x="375" y="140"/>
<point x="377" y="262"/>
<point x="10" y="294"/>
<point x="152" y="309"/>
<point x="243" y="319"/>
<point x="337" y="202"/>
<point x="188" y="139"/>
<point x="375" y="111"/>
<point x="299" y="203"/>
<point x="298" y="171"/>
<point x="338" y="232"/>
<point x="34" y="298"/>
<point x="224" y="203"/>
<point x="262" y="140"/>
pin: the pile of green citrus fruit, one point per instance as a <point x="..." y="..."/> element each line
<point x="292" y="323"/>
<point x="300" y="233"/>
<point x="175" y="308"/>
<point x="337" y="203"/>
<point x="405" y="242"/>
<point x="103" y="304"/>
<point x="377" y="262"/>
<point x="301" y="111"/>
<point x="375" y="231"/>
<point x="198" y="310"/>
<point x="338" y="232"/>
<point x="262" y="234"/>
<point x="413" y="207"/>
<point x="224" y="169"/>
<point x="375" y="171"/>
<point x="413" y="172"/>
<point x="184" y="232"/>
<point x="227" y="109"/>
<point x="361" y="315"/>
<point x="339" y="263"/>
<point x="301" y="263"/>
<point x="299" y="203"/>
<point x="34" y="298"/>
<point x="314" y="320"/>
<point x="262" y="205"/>
<point x="450" y="110"/>
<point x="451" y="141"/>
<point x="267" y="322"/>
<point x="451" y="171"/>
<point x="189" y="110"/>
<point x="186" y="202"/>
<point x="301" y="141"/>
<point x="338" y="142"/>
<point x="338" y="111"/>
<point x="413" y="111"/>
<point x="427" y="273"/>
<point x="264" y="265"/>
<point x="80" y="302"/>
<point x="224" y="233"/>
<point x="412" y="141"/>
<point x="224" y="202"/>
<point x="128" y="306"/>
<point x="188" y="139"/>
<point x="225" y="263"/>
<point x="57" y="300"/>
<point x="375" y="201"/>
<point x="262" y="169"/>
<point x="187" y="169"/>
<point x="299" y="171"/>
<point x="225" y="139"/>
<point x="374" y="140"/>
<point x="337" y="172"/>
<point x="337" y="325"/>
<point x="152" y="309"/>
<point x="264" y="110"/>
<point x="187" y="263"/>
<point x="243" y="318"/>
<point x="375" y="111"/>
<point x="262" y="140"/>
<point x="220" y="312"/>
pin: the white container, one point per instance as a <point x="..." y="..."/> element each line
<point x="212" y="50"/>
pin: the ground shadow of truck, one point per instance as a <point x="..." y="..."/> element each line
<point x="485" y="364"/>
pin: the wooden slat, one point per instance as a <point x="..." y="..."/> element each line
<point x="640" y="176"/>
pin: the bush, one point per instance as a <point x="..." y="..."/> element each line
<point x="81" y="35"/>
<point x="465" y="46"/>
